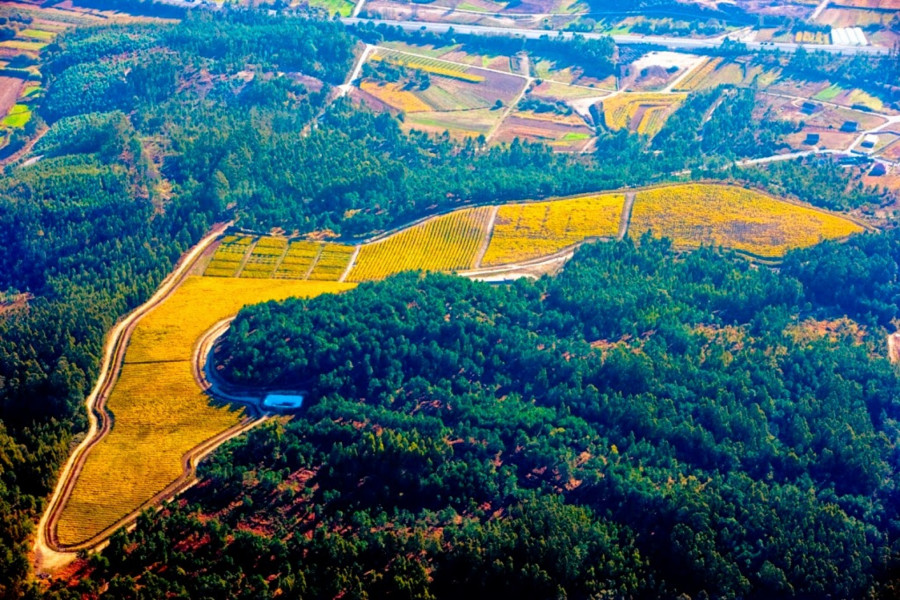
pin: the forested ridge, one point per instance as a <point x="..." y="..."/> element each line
<point x="156" y="131"/>
<point x="647" y="424"/>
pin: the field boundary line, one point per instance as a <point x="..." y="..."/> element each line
<point x="625" y="219"/>
<point x="512" y="105"/>
<point x="45" y="548"/>
<point x="280" y="260"/>
<point x="314" y="262"/>
<point x="489" y="229"/>
<point x="350" y="264"/>
<point x="246" y="258"/>
<point x="452" y="62"/>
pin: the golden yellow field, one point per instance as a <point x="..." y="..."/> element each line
<point x="734" y="217"/>
<point x="524" y="231"/>
<point x="300" y="256"/>
<point x="444" y="243"/>
<point x="393" y="95"/>
<point x="264" y="258"/>
<point x="227" y="260"/>
<point x="699" y="74"/>
<point x="159" y="411"/>
<point x="641" y="112"/>
<point x="332" y="262"/>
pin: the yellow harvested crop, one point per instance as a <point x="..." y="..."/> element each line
<point x="695" y="214"/>
<point x="159" y="411"/>
<point x="444" y="243"/>
<point x="526" y="231"/>
<point x="394" y="96"/>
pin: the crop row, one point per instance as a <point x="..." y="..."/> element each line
<point x="430" y="65"/>
<point x="444" y="243"/>
<point x="691" y="215"/>
<point x="526" y="231"/>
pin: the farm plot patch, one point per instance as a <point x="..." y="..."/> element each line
<point x="298" y="260"/>
<point x="746" y="220"/>
<point x="446" y="243"/>
<point x="713" y="72"/>
<point x="160" y="413"/>
<point x="535" y="229"/>
<point x="563" y="133"/>
<point x="332" y="262"/>
<point x="437" y="95"/>
<point x="229" y="256"/>
<point x="641" y="113"/>
<point x="264" y="258"/>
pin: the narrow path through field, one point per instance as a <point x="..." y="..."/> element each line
<point x="280" y="259"/>
<point x="489" y="230"/>
<point x="352" y="262"/>
<point x="815" y="15"/>
<point x="48" y="556"/>
<point x="509" y="109"/>
<point x="246" y="258"/>
<point x="314" y="262"/>
<point x="625" y="220"/>
<point x="344" y="89"/>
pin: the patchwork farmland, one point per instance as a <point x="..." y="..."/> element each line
<point x="467" y="95"/>
<point x="156" y="429"/>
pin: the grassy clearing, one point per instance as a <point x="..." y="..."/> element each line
<point x="37" y="34"/>
<point x="18" y="116"/>
<point x="444" y="243"/>
<point x="526" y="231"/>
<point x="23" y="45"/>
<point x="696" y="214"/>
<point x="159" y="412"/>
<point x="342" y="7"/>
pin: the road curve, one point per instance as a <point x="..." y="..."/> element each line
<point x="675" y="43"/>
<point x="48" y="554"/>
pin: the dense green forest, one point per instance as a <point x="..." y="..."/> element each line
<point x="156" y="131"/>
<point x="647" y="424"/>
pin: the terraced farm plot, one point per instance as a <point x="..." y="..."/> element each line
<point x="459" y="99"/>
<point x="746" y="220"/>
<point x="227" y="260"/>
<point x="264" y="258"/>
<point x="444" y="243"/>
<point x="298" y="260"/>
<point x="536" y="229"/>
<point x="159" y="411"/>
<point x="332" y="263"/>
<point x="641" y="113"/>
<point x="565" y="133"/>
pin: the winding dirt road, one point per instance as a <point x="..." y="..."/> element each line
<point x="48" y="554"/>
